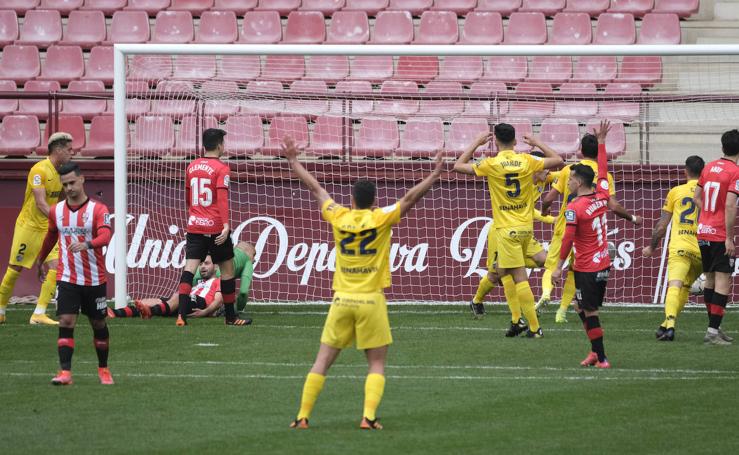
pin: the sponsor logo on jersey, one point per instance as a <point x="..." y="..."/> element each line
<point x="200" y="221"/>
<point x="716" y="169"/>
<point x="106" y="219"/>
<point x="74" y="230"/>
<point x="36" y="180"/>
<point x="604" y="184"/>
<point x="706" y="229"/>
<point x="226" y="181"/>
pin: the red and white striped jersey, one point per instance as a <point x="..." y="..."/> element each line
<point x="207" y="290"/>
<point x="84" y="268"/>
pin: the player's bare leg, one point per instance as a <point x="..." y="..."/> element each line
<point x="314" y="384"/>
<point x="46" y="293"/>
<point x="65" y="349"/>
<point x="6" y="288"/>
<point x="184" y="288"/>
<point x="374" y="387"/>
<point x="721" y="290"/>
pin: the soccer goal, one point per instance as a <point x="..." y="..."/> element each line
<point x="381" y="112"/>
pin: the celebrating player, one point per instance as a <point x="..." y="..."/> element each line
<point x="587" y="229"/>
<point x="208" y="229"/>
<point x="511" y="186"/>
<point x="82" y="227"/>
<point x="684" y="262"/>
<point x="358" y="311"/>
<point x="42" y="191"/>
<point x="716" y="197"/>
<point x="589" y="149"/>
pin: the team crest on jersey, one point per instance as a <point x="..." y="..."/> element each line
<point x="36" y="180"/>
<point x="570" y="216"/>
<point x="226" y="181"/>
<point x="85" y="217"/>
<point x="106" y="219"/>
<point x="604" y="184"/>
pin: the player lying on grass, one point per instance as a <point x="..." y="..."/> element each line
<point x="244" y="253"/>
<point x="684" y="262"/>
<point x="358" y="311"/>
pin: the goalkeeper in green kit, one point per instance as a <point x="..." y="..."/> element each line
<point x="243" y="269"/>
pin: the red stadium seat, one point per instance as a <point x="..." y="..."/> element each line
<point x="239" y="67"/>
<point x="89" y="108"/>
<point x="129" y="27"/>
<point x="219" y="96"/>
<point x="217" y="27"/>
<point x="178" y="106"/>
<point x="660" y="29"/>
<point x="371" y="7"/>
<point x="310" y="106"/>
<point x="108" y="7"/>
<point x="328" y="135"/>
<point x="19" y="135"/>
<point x="580" y="109"/>
<point x="353" y="106"/>
<point x="100" y="64"/>
<point x="283" y="126"/>
<point x="393" y="27"/>
<point x="20" y="63"/>
<point x="419" y="68"/>
<point x="245" y="135"/>
<point x="615" y="28"/>
<point x="20" y="6"/>
<point x="85" y="28"/>
<point x="526" y="28"/>
<point x="239" y="7"/>
<point x="523" y="128"/>
<point x="616" y="139"/>
<point x="377" y="137"/>
<point x="72" y="124"/>
<point x="682" y="8"/>
<point x="596" y="69"/>
<point x="442" y="107"/>
<point x="41" y="28"/>
<point x="507" y="69"/>
<point x="329" y="68"/>
<point x="101" y="141"/>
<point x="571" y="28"/>
<point x="150" y="67"/>
<point x="261" y="27"/>
<point x="422" y="137"/>
<point x="38" y="108"/>
<point x="460" y="7"/>
<point x="463" y="131"/>
<point x="465" y="69"/>
<point x="636" y="7"/>
<point x="153" y="135"/>
<point x="482" y="28"/>
<point x="152" y="7"/>
<point x="438" y="27"/>
<point x="63" y="64"/>
<point x="415" y="7"/>
<point x="8" y="27"/>
<point x="491" y="107"/>
<point x="504" y="7"/>
<point x="548" y="7"/>
<point x="194" y="67"/>
<point x="136" y="107"/>
<point x="532" y="109"/>
<point x="263" y="105"/>
<point x="173" y="27"/>
<point x="348" y="27"/>
<point x="374" y="68"/>
<point x="8" y="106"/>
<point x="398" y="107"/>
<point x="305" y="27"/>
<point x="284" y="67"/>
<point x="553" y="70"/>
<point x="591" y="7"/>
<point x="626" y="111"/>
<point x="644" y="70"/>
<point x="195" y="7"/>
<point x="283" y="7"/>
<point x="561" y="135"/>
<point x="63" y="6"/>
<point x="326" y="7"/>
<point x="188" y="139"/>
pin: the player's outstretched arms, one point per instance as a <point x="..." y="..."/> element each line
<point x="616" y="207"/>
<point x="462" y="164"/>
<point x="291" y="153"/>
<point x="657" y="234"/>
<point x="730" y="216"/>
<point x="551" y="158"/>
<point x="414" y="194"/>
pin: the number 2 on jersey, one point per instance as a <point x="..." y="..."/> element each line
<point x="367" y="236"/>
<point x="599" y="225"/>
<point x="201" y="193"/>
<point x="687" y="201"/>
<point x="710" y="195"/>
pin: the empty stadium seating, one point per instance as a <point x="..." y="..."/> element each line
<point x="63" y="64"/>
<point x="328" y="136"/>
<point x="129" y="27"/>
<point x="238" y="67"/>
<point x="173" y="27"/>
<point x="562" y="135"/>
<point x="571" y="28"/>
<point x="41" y="28"/>
<point x="615" y="28"/>
<point x="591" y="7"/>
<point x="482" y="27"/>
<point x="188" y="136"/>
<point x="261" y="27"/>
<point x="438" y="27"/>
<point x="504" y="7"/>
<point x="8" y="106"/>
<point x="463" y="131"/>
<point x="19" y="135"/>
<point x="636" y="7"/>
<point x="217" y="27"/>
<point x="89" y="108"/>
<point x="422" y="137"/>
<point x="294" y="126"/>
<point x="85" y="28"/>
<point x="20" y="63"/>
<point x="8" y="27"/>
<point x="72" y="124"/>
<point x="660" y="29"/>
<point x="244" y="135"/>
<point x="305" y="27"/>
<point x="328" y="68"/>
<point x="526" y="28"/>
<point x="348" y="27"/>
<point x="38" y="107"/>
<point x="101" y="140"/>
<point x="377" y="137"/>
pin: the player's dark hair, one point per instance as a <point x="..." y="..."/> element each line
<point x="212" y="138"/>
<point x="363" y="193"/>
<point x="589" y="146"/>
<point x="694" y="165"/>
<point x="585" y="174"/>
<point x="730" y="142"/>
<point x="70" y="166"/>
<point x="504" y="133"/>
<point x="537" y="153"/>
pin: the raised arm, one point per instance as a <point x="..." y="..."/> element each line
<point x="415" y="193"/>
<point x="291" y="153"/>
<point x="616" y="207"/>
<point x="657" y="234"/>
<point x="600" y="135"/>
<point x="551" y="158"/>
<point x="462" y="164"/>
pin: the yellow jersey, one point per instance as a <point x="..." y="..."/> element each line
<point x="540" y="187"/>
<point x="511" y="185"/>
<point x="362" y="239"/>
<point x="560" y="184"/>
<point x="42" y="175"/>
<point x="680" y="204"/>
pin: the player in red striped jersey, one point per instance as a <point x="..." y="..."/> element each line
<point x="586" y="228"/>
<point x="716" y="197"/>
<point x="208" y="228"/>
<point x="82" y="227"/>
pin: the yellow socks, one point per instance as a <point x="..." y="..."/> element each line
<point x="311" y="389"/>
<point x="483" y="289"/>
<point x="568" y="292"/>
<point x="46" y="293"/>
<point x="684" y="295"/>
<point x="6" y="288"/>
<point x="526" y="301"/>
<point x="374" y="387"/>
<point x="530" y="263"/>
<point x="674" y="303"/>
<point x="509" y="288"/>
<point x="546" y="284"/>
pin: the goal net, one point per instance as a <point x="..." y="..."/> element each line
<point x="381" y="113"/>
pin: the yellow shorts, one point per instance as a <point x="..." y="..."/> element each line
<point x="685" y="266"/>
<point x="357" y="316"/>
<point x="26" y="247"/>
<point x="511" y="246"/>
<point x="532" y="249"/>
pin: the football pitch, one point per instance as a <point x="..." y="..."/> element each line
<point x="454" y="385"/>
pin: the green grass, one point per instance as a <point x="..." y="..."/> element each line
<point x="454" y="385"/>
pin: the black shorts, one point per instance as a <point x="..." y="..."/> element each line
<point x="73" y="299"/>
<point x="197" y="246"/>
<point x="590" y="289"/>
<point x="714" y="258"/>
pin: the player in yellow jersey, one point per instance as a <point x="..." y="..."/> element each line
<point x="510" y="177"/>
<point x="42" y="191"/>
<point x="684" y="261"/>
<point x="589" y="150"/>
<point x="358" y="311"/>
